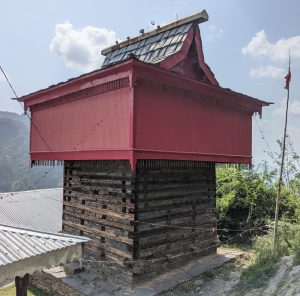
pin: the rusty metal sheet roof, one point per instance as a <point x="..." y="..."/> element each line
<point x="33" y="209"/>
<point x="153" y="49"/>
<point x="18" y="244"/>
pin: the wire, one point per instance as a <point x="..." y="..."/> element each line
<point x="98" y="124"/>
<point x="13" y="90"/>
<point x="185" y="227"/>
<point x="30" y="119"/>
<point x="88" y="134"/>
<point x="264" y="139"/>
<point x="149" y="223"/>
<point x="91" y="130"/>
<point x="175" y="256"/>
<point x="43" y="176"/>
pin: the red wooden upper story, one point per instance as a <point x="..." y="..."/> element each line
<point x="169" y="107"/>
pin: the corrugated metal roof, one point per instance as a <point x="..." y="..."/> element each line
<point x="34" y="209"/>
<point x="17" y="244"/>
<point x="153" y="49"/>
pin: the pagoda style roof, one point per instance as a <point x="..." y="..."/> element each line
<point x="154" y="98"/>
<point x="152" y="49"/>
<point x="154" y="46"/>
<point x="167" y="46"/>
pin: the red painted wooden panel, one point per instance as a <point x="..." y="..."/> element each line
<point x="79" y="83"/>
<point x="183" y="124"/>
<point x="94" y="123"/>
<point x="174" y="118"/>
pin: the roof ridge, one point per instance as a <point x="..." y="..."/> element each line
<point x="199" y="17"/>
<point x="32" y="190"/>
<point x="42" y="233"/>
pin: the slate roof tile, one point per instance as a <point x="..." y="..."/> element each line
<point x="153" y="49"/>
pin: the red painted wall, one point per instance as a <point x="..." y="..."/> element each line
<point x="183" y="124"/>
<point x="94" y="123"/>
<point x="136" y="111"/>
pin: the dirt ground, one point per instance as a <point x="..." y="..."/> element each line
<point x="225" y="281"/>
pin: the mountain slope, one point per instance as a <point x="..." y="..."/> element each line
<point x="15" y="171"/>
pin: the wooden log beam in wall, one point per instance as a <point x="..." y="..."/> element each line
<point x="100" y="233"/>
<point x="101" y="222"/>
<point x="125" y="216"/>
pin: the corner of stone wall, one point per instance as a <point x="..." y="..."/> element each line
<point x="51" y="285"/>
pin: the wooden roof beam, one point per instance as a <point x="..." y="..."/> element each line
<point x="198" y="18"/>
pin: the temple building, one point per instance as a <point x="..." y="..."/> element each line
<point x="140" y="139"/>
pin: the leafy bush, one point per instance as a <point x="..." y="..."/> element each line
<point x="246" y="199"/>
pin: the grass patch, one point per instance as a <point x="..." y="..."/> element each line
<point x="32" y="291"/>
<point x="296" y="260"/>
<point x="265" y="263"/>
<point x="262" y="268"/>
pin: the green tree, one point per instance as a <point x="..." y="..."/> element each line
<point x="246" y="198"/>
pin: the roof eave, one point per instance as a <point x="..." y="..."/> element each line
<point x="95" y="73"/>
<point x="137" y="62"/>
<point x="217" y="87"/>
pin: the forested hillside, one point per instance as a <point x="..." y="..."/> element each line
<point x="15" y="171"/>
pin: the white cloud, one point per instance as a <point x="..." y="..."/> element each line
<point x="214" y="32"/>
<point x="294" y="108"/>
<point x="81" y="48"/>
<point x="260" y="46"/>
<point x="267" y="71"/>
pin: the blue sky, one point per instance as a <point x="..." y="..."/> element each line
<point x="245" y="44"/>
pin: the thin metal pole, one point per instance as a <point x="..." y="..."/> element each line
<point x="282" y="162"/>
